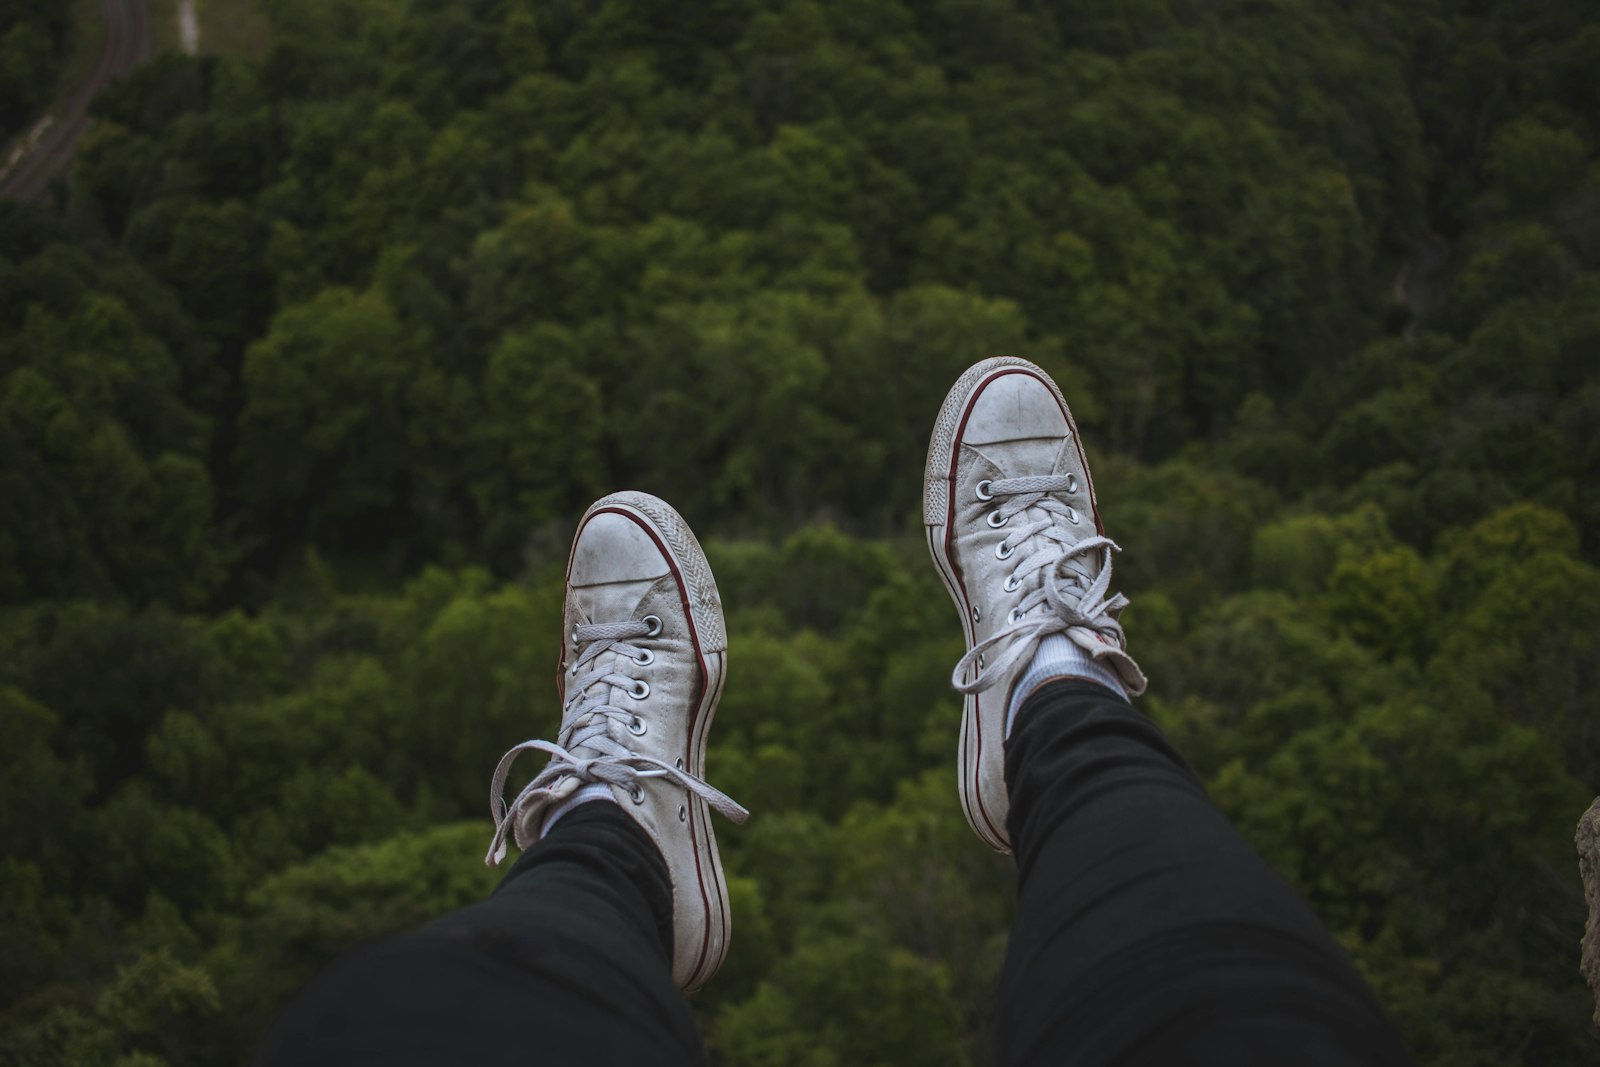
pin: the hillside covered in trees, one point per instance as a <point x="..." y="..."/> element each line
<point x="307" y="373"/>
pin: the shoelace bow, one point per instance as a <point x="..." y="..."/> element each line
<point x="587" y="748"/>
<point x="1072" y="600"/>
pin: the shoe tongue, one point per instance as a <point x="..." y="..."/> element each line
<point x="1085" y="564"/>
<point x="611" y="601"/>
<point x="1041" y="454"/>
<point x="1037" y="454"/>
<point x="603" y="726"/>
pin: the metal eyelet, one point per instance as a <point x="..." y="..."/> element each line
<point x="645" y="657"/>
<point x="637" y="727"/>
<point x="1004" y="551"/>
<point x="574" y="671"/>
<point x="637" y="793"/>
<point x="983" y="490"/>
<point x="1011" y="583"/>
<point x="678" y="763"/>
<point x="640" y="689"/>
<point x="654" y="622"/>
<point x="977" y="616"/>
<point x="1072" y="516"/>
<point x="1013" y="616"/>
<point x="995" y="515"/>
<point x="683" y="813"/>
<point x="574" y="637"/>
<point x="981" y="664"/>
<point x="1072" y="483"/>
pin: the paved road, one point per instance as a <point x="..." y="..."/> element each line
<point x="127" y="44"/>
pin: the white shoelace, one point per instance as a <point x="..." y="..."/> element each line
<point x="587" y="750"/>
<point x="1063" y="600"/>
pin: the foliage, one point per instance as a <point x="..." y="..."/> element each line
<point x="302" y="389"/>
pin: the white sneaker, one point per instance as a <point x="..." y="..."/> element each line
<point x="642" y="670"/>
<point x="1012" y="524"/>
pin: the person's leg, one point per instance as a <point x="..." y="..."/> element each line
<point x="619" y="900"/>
<point x="1148" y="931"/>
<point x="570" y="961"/>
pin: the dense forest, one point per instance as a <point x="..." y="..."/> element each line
<point x="308" y="370"/>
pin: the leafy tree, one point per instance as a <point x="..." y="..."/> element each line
<point x="303" y="384"/>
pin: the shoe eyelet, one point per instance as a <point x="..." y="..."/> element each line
<point x="574" y="637"/>
<point x="995" y="522"/>
<point x="1004" y="551"/>
<point x="638" y="727"/>
<point x="637" y="793"/>
<point x="983" y="490"/>
<point x="1013" y="616"/>
<point x="1011" y="583"/>
<point x="981" y="664"/>
<point x="678" y="763"/>
<point x="645" y="657"/>
<point x="683" y="813"/>
<point x="1072" y="483"/>
<point x="977" y="616"/>
<point x="1072" y="515"/>
<point x="574" y="671"/>
<point x="654" y="622"/>
<point x="640" y="689"/>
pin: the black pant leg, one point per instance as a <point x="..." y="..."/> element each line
<point x="568" y="962"/>
<point x="1148" y="931"/>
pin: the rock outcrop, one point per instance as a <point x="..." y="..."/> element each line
<point x="1588" y="841"/>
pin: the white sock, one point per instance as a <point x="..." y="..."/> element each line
<point x="1059" y="657"/>
<point x="592" y="791"/>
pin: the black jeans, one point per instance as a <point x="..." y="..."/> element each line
<point x="1147" y="932"/>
